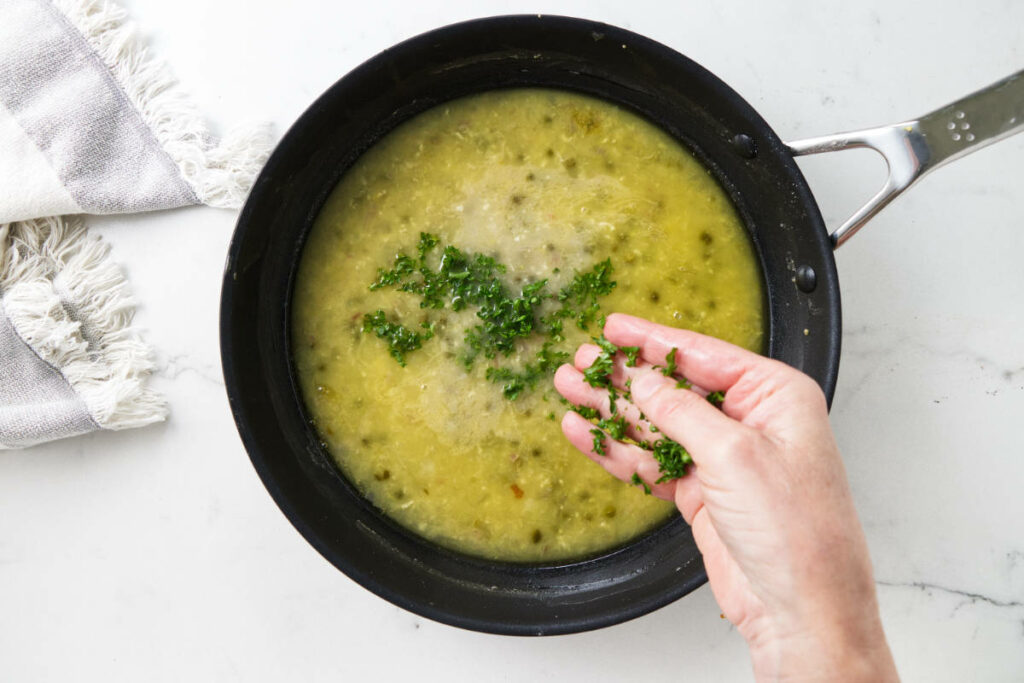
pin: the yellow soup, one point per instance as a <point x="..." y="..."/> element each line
<point x="548" y="183"/>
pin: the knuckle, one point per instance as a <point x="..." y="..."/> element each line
<point x="776" y="379"/>
<point x="787" y="374"/>
<point x="809" y="389"/>
<point x="738" y="444"/>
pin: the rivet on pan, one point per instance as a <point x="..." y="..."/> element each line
<point x="744" y="146"/>
<point x="806" y="280"/>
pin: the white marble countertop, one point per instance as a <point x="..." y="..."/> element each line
<point x="157" y="555"/>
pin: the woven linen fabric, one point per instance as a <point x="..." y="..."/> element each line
<point x="35" y="399"/>
<point x="89" y="124"/>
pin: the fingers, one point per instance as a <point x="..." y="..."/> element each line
<point x="620" y="460"/>
<point x="711" y="363"/>
<point x="586" y="354"/>
<point x="681" y="414"/>
<point x="712" y="437"/>
<point x="684" y="416"/>
<point x="689" y="497"/>
<point x="569" y="383"/>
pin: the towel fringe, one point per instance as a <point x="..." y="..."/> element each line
<point x="219" y="174"/>
<point x="68" y="300"/>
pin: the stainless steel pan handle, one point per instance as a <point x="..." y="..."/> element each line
<point x="913" y="148"/>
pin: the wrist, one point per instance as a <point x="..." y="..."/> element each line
<point x="847" y="649"/>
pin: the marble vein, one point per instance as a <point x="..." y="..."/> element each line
<point x="173" y="366"/>
<point x="969" y="598"/>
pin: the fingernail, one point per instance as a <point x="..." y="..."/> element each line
<point x="644" y="384"/>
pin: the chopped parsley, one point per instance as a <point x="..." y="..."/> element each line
<point x="635" y="479"/>
<point x="672" y="459"/>
<point x="599" y="372"/>
<point x="400" y="339"/>
<point x="671" y="456"/>
<point x="716" y="398"/>
<point x="613" y="397"/>
<point x="579" y="298"/>
<point x="549" y="359"/>
<point x="444" y="276"/>
<point x="670" y="363"/>
<point x="614" y="426"/>
<point x="587" y="412"/>
<point x="514" y="383"/>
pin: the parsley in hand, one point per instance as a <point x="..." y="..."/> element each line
<point x="672" y="458"/>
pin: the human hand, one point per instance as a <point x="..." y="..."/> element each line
<point x="767" y="496"/>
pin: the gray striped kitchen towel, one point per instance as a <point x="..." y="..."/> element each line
<point x="89" y="124"/>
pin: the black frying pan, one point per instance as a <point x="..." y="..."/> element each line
<point x="749" y="160"/>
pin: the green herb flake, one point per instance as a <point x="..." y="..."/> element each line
<point x="427" y="242"/>
<point x="615" y="426"/>
<point x="587" y="412"/>
<point x="672" y="459"/>
<point x="550" y="359"/>
<point x="631" y="353"/>
<point x="635" y="479"/>
<point x="446" y="277"/>
<point x="716" y="398"/>
<point x="597" y="375"/>
<point x="581" y="294"/>
<point x="400" y="339"/>
<point x="670" y="363"/>
<point x="605" y="345"/>
<point x="513" y="383"/>
<point x="579" y="298"/>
